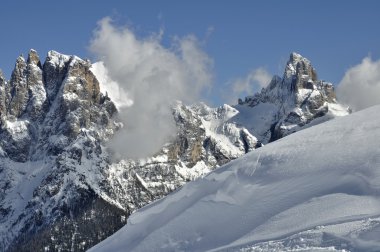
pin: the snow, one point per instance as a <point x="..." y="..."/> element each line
<point x="58" y="59"/>
<point x="337" y="109"/>
<point x="24" y="178"/>
<point x="304" y="92"/>
<point x="315" y="190"/>
<point x="143" y="183"/>
<point x="18" y="129"/>
<point x="257" y="119"/>
<point x="69" y="96"/>
<point x="225" y="134"/>
<point x="198" y="170"/>
<point x="37" y="90"/>
<point x="117" y="94"/>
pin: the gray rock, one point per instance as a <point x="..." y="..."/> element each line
<point x="18" y="88"/>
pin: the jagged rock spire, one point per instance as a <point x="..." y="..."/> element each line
<point x="18" y="88"/>
<point x="299" y="96"/>
<point x="33" y="58"/>
<point x="36" y="89"/>
<point x="26" y="88"/>
<point x="299" y="73"/>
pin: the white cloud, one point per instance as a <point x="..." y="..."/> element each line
<point x="107" y="86"/>
<point x="151" y="77"/>
<point x="250" y="84"/>
<point x="360" y="86"/>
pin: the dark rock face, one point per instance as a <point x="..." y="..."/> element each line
<point x="190" y="137"/>
<point x="18" y="89"/>
<point x="37" y="104"/>
<point x="54" y="72"/>
<point x="85" y="222"/>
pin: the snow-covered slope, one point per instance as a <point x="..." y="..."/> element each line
<point x="318" y="189"/>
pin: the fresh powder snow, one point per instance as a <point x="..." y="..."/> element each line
<point x="314" y="190"/>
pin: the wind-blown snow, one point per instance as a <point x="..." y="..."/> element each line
<point x="317" y="189"/>
<point x="107" y="86"/>
<point x="257" y="119"/>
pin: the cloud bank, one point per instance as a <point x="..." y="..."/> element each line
<point x="150" y="78"/>
<point x="248" y="85"/>
<point x="360" y="86"/>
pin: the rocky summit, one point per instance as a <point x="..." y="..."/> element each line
<point x="293" y="102"/>
<point x="62" y="191"/>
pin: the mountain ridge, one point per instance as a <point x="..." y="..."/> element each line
<point x="57" y="173"/>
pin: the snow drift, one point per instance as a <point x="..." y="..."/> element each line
<point x="315" y="189"/>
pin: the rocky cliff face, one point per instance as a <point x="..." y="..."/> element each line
<point x="61" y="191"/>
<point x="53" y="121"/>
<point x="295" y="101"/>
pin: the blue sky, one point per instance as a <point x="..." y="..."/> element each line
<point x="238" y="35"/>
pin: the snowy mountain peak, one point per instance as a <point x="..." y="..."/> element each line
<point x="299" y="99"/>
<point x="54" y="54"/>
<point x="57" y="59"/>
<point x="20" y="59"/>
<point x="296" y="57"/>
<point x="299" y="73"/>
<point x="33" y="58"/>
<point x="59" y="98"/>
<point x="19" y="67"/>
